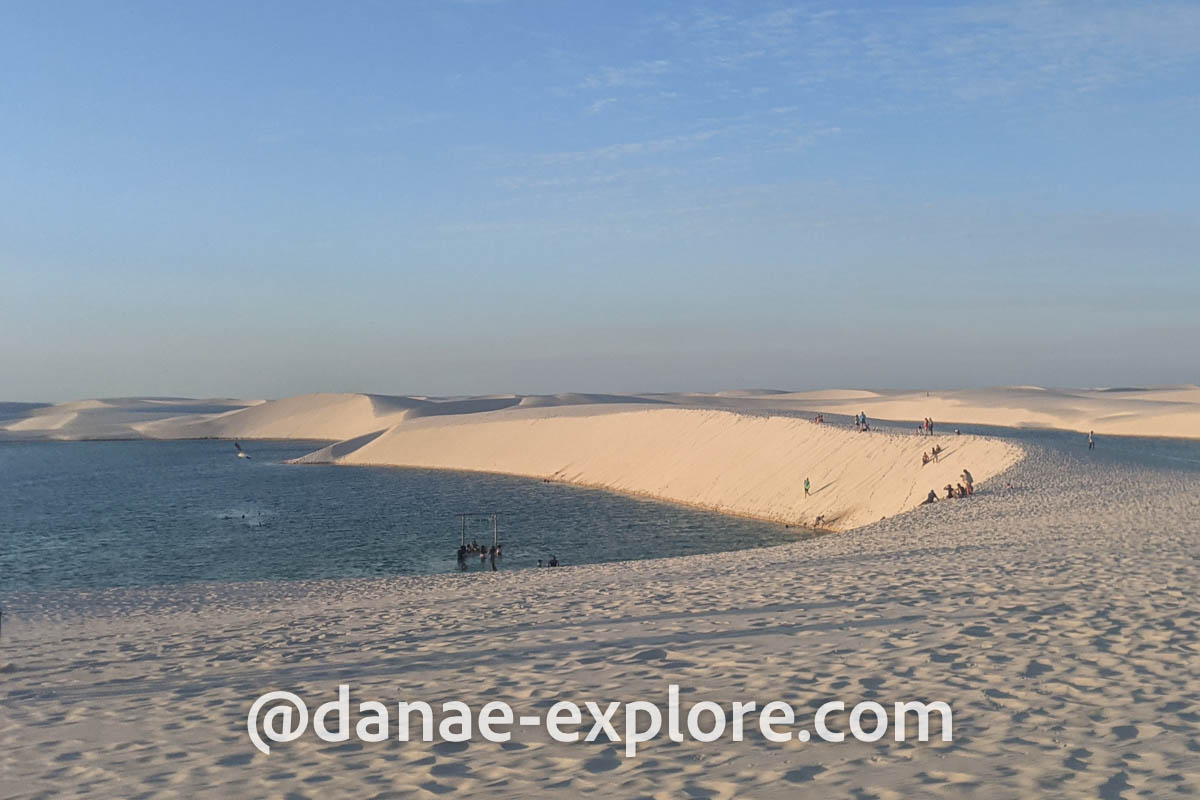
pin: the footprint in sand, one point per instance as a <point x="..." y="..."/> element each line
<point x="450" y="748"/>
<point x="803" y="774"/>
<point x="1114" y="786"/>
<point x="656" y="654"/>
<point x="1077" y="760"/>
<point x="1035" y="669"/>
<point x="604" y="762"/>
<point x="1125" y="732"/>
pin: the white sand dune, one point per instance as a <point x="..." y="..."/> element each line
<point x="1159" y="411"/>
<point x="119" y="418"/>
<point x="719" y="460"/>
<point x="310" y="416"/>
<point x="1134" y="411"/>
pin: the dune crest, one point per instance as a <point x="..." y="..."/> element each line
<point x="718" y="460"/>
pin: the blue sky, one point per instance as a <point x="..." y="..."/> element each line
<point x="438" y="198"/>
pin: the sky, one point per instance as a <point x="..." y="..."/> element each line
<point x="432" y="197"/>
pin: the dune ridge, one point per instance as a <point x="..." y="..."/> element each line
<point x="1114" y="411"/>
<point x="718" y="460"/>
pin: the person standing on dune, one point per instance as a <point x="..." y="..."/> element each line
<point x="1091" y="440"/>
<point x="807" y="485"/>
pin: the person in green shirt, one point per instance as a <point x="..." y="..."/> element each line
<point x="806" y="487"/>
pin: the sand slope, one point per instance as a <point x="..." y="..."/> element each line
<point x="727" y="462"/>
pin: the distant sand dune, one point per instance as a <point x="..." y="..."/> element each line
<point x="1133" y="411"/>
<point x="117" y="418"/>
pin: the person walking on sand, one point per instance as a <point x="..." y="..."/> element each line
<point x="807" y="486"/>
<point x="1091" y="440"/>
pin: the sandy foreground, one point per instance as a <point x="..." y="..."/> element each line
<point x="1058" y="618"/>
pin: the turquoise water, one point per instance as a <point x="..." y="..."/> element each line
<point x="102" y="514"/>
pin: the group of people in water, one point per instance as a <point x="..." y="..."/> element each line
<point x="492" y="553"/>
<point x="964" y="488"/>
<point x="484" y="553"/>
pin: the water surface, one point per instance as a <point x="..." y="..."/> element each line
<point x="121" y="513"/>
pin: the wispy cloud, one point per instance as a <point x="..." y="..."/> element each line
<point x="600" y="105"/>
<point x="641" y="74"/>
<point x="967" y="53"/>
<point x="809" y="138"/>
<point x="621" y="150"/>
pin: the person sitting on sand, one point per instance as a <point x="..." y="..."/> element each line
<point x="931" y="498"/>
<point x="924" y="459"/>
<point x="960" y="491"/>
<point x="949" y="492"/>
